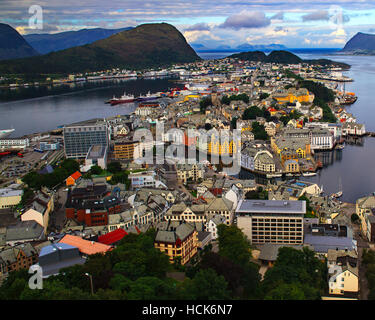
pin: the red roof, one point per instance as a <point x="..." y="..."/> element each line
<point x="113" y="236"/>
<point x="76" y="175"/>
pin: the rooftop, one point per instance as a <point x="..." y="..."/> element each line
<point x="272" y="206"/>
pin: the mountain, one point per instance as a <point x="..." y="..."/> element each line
<point x="148" y="45"/>
<point x="284" y="57"/>
<point x="46" y="43"/>
<point x="361" y="43"/>
<point x="13" y="45"/>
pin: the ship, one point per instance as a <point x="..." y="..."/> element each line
<point x="123" y="99"/>
<point x="148" y="97"/>
<point x="6" y="133"/>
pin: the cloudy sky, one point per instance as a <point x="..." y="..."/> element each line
<point x="212" y="23"/>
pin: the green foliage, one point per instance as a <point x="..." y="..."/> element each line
<point x="35" y="180"/>
<point x="96" y="170"/>
<point x="234" y="245"/>
<point x="205" y="103"/>
<point x="259" y="131"/>
<point x="368" y="259"/>
<point x="252" y="113"/>
<point x="264" y="95"/>
<point x="235" y="97"/>
<point x="299" y="269"/>
<point x="114" y="167"/>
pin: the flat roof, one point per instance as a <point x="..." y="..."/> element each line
<point x="272" y="206"/>
<point x="96" y="152"/>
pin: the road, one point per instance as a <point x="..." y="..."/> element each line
<point x="57" y="218"/>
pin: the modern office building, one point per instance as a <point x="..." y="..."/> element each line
<point x="267" y="221"/>
<point x="97" y="156"/>
<point x="80" y="137"/>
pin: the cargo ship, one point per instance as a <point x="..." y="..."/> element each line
<point x="123" y="99"/>
<point x="147" y="97"/>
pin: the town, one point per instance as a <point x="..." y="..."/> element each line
<point x="83" y="191"/>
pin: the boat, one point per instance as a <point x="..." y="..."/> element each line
<point x="339" y="193"/>
<point x="147" y="97"/>
<point x="340" y="147"/>
<point x="6" y="133"/>
<point x="309" y="174"/>
<point x="123" y="99"/>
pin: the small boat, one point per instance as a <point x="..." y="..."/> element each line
<point x="6" y="133"/>
<point x="340" y="147"/>
<point x="339" y="193"/>
<point x="309" y="174"/>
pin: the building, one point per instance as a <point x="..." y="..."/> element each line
<point x="212" y="225"/>
<point x="292" y="95"/>
<point x="342" y="272"/>
<point x="10" y="197"/>
<point x="187" y="172"/>
<point x="17" y="144"/>
<point x="266" y="221"/>
<point x="146" y="179"/>
<point x="112" y="237"/>
<point x="127" y="150"/>
<point x="365" y="209"/>
<point x="97" y="156"/>
<point x="354" y="129"/>
<point x="80" y="137"/>
<point x="39" y="209"/>
<point x="49" y="146"/>
<point x="73" y="179"/>
<point x="177" y="240"/>
<point x="19" y="257"/>
<point x="85" y="247"/>
<point x="54" y="257"/>
<point x="320" y="138"/>
<point x="24" y="231"/>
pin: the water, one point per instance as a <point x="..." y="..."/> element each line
<point x="47" y="113"/>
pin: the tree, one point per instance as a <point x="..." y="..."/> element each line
<point x="114" y="167"/>
<point x="207" y="285"/>
<point x="286" y="292"/>
<point x="205" y="103"/>
<point x="252" y="113"/>
<point x="234" y="245"/>
<point x="96" y="170"/>
<point x="264" y="95"/>
<point x="259" y="131"/>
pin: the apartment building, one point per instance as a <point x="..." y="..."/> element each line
<point x="177" y="240"/>
<point x="267" y="221"/>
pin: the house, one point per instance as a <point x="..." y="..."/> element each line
<point x="212" y="225"/>
<point x="343" y="272"/>
<point x="177" y="240"/>
<point x="187" y="172"/>
<point x="39" y="209"/>
<point x="84" y="246"/>
<point x="97" y="156"/>
<point x="73" y="179"/>
<point x="16" y="258"/>
<point x="365" y="209"/>
<point x="24" y="231"/>
<point x="54" y="257"/>
<point x="112" y="237"/>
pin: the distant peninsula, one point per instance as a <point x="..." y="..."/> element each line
<point x="360" y="44"/>
<point x="285" y="57"/>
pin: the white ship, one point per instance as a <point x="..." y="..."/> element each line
<point x="6" y="133"/>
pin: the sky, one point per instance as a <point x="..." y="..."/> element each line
<point x="211" y="23"/>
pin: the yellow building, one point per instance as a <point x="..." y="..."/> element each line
<point x="126" y="150"/>
<point x="300" y="146"/>
<point x="292" y="95"/>
<point x="364" y="209"/>
<point x="342" y="272"/>
<point x="177" y="240"/>
<point x="217" y="146"/>
<point x="10" y="198"/>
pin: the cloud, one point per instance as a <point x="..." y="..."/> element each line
<point x="316" y="16"/>
<point x="246" y="19"/>
<point x="278" y="16"/>
<point x="199" y="27"/>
